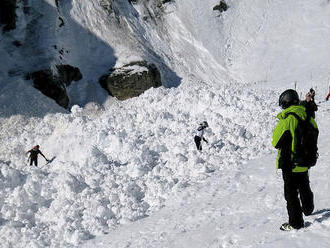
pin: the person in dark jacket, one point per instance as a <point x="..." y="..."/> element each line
<point x="34" y="155"/>
<point x="310" y="104"/>
<point x="297" y="191"/>
<point x="200" y="135"/>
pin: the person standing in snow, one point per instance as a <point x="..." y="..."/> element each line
<point x="309" y="103"/>
<point x="34" y="155"/>
<point x="200" y="135"/>
<point x="328" y="96"/>
<point x="297" y="191"/>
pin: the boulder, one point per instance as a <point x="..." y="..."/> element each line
<point x="53" y="84"/>
<point x="48" y="84"/>
<point x="131" y="80"/>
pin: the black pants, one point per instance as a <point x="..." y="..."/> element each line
<point x="198" y="142"/>
<point x="34" y="160"/>
<point x="298" y="196"/>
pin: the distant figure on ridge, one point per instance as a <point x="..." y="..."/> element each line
<point x="309" y="103"/>
<point x="34" y="155"/>
<point x="200" y="135"/>
<point x="328" y="96"/>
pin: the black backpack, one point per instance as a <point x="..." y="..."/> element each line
<point x="306" y="148"/>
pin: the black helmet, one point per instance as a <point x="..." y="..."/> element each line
<point x="204" y="124"/>
<point x="288" y="98"/>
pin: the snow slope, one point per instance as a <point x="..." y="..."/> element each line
<point x="108" y="171"/>
<point x="278" y="41"/>
<point x="239" y="206"/>
<point x="130" y="169"/>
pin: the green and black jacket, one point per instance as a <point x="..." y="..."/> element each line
<point x="284" y="138"/>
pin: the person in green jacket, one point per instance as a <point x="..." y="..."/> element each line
<point x="297" y="191"/>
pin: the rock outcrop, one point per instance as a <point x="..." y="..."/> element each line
<point x="68" y="73"/>
<point x="131" y="80"/>
<point x="53" y="84"/>
<point x="222" y="6"/>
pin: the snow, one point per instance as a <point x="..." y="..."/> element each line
<point x="108" y="171"/>
<point x="127" y="174"/>
<point x="283" y="41"/>
<point x="235" y="207"/>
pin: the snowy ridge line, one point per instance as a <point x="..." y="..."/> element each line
<point x="110" y="171"/>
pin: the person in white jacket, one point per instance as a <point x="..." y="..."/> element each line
<point x="200" y="135"/>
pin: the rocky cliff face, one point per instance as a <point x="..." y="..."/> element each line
<point x="57" y="42"/>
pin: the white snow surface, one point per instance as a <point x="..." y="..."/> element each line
<point x="127" y="174"/>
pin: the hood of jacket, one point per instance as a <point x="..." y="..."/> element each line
<point x="298" y="109"/>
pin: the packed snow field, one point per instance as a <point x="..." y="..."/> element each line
<point x="109" y="171"/>
<point x="237" y="206"/>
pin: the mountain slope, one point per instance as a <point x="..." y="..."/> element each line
<point x="131" y="166"/>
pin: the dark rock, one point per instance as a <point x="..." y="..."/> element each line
<point x="48" y="84"/>
<point x="162" y="2"/>
<point x="8" y="14"/>
<point x="108" y="6"/>
<point x="222" y="6"/>
<point x="61" y="22"/>
<point x="17" y="43"/>
<point x="26" y="10"/>
<point x="167" y="1"/>
<point x="131" y="80"/>
<point x="68" y="73"/>
<point x="54" y="85"/>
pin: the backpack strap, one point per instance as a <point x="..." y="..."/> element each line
<point x="295" y="115"/>
<point x="299" y="118"/>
